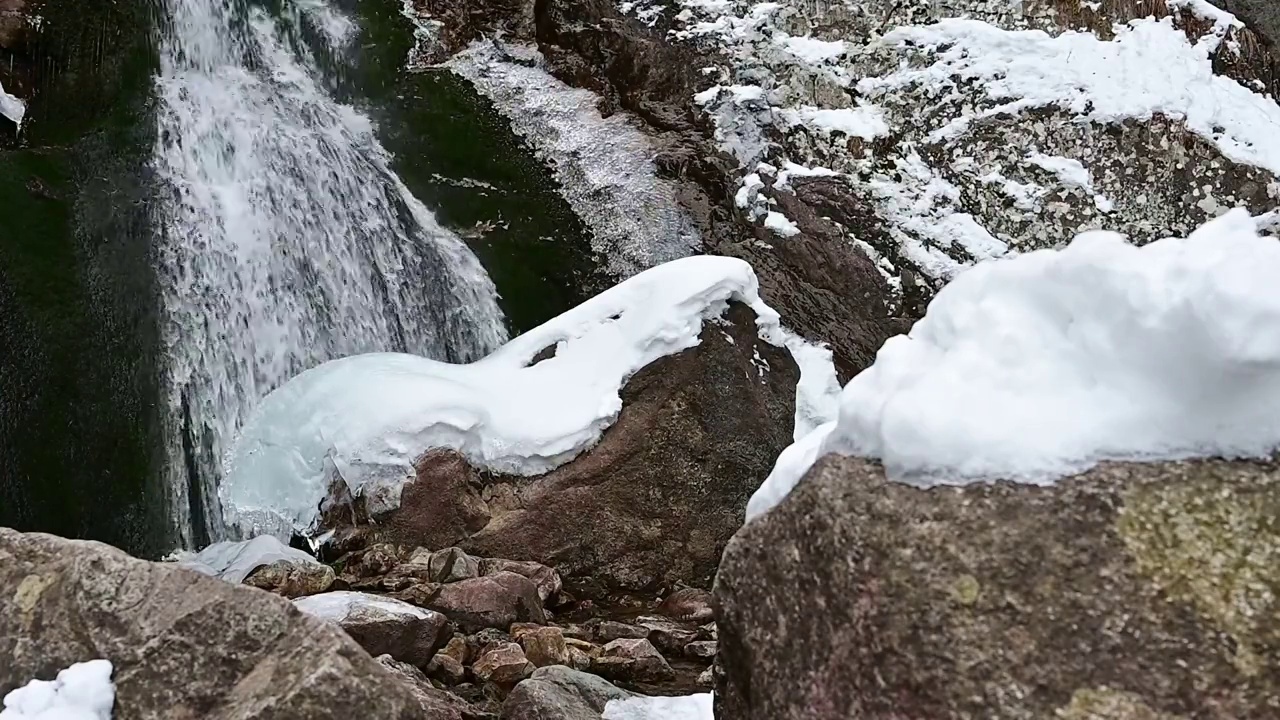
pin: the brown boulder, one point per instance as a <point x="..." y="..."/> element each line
<point x="503" y="664"/>
<point x="183" y="645"/>
<point x="547" y="579"/>
<point x="292" y="579"/>
<point x="382" y="625"/>
<point x="1128" y="592"/>
<point x="655" y="501"/>
<point x="631" y="660"/>
<point x="492" y="601"/>
<point x="693" y="604"/>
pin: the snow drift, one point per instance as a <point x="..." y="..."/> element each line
<point x="1040" y="366"/>
<point x="81" y="692"/>
<point x="366" y="418"/>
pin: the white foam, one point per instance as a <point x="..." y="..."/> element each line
<point x="81" y="692"/>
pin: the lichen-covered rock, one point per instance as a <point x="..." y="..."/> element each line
<point x="559" y="693"/>
<point x="492" y="601"/>
<point x="182" y="645"/>
<point x="1129" y="592"/>
<point x="451" y="565"/>
<point x="382" y="625"/>
<point x="292" y="579"/>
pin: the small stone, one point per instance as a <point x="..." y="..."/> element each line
<point x="702" y="649"/>
<point x="544" y="646"/>
<point x="609" y="630"/>
<point x="458" y="649"/>
<point x="451" y="565"/>
<point x="667" y="635"/>
<point x="577" y="631"/>
<point x="708" y="632"/>
<point x="590" y="648"/>
<point x="504" y="665"/>
<point x="629" y="659"/>
<point x="579" y="660"/>
<point x="707" y="678"/>
<point x="446" y="669"/>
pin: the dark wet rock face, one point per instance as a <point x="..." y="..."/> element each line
<point x="653" y="503"/>
<point x="1133" y="591"/>
<point x="183" y="645"/>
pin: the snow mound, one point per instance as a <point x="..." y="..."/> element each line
<point x="234" y="560"/>
<point x="690" y="707"/>
<point x="338" y="605"/>
<point x="1039" y="366"/>
<point x="366" y="418"/>
<point x="80" y="692"/>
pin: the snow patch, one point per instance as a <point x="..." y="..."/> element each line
<point x="233" y="561"/>
<point x="366" y="418"/>
<point x="1149" y="68"/>
<point x="866" y="121"/>
<point x="81" y="692"/>
<point x="780" y="224"/>
<point x="689" y="707"/>
<point x="1039" y="366"/>
<point x="336" y="606"/>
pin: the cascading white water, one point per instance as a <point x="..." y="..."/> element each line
<point x="286" y="239"/>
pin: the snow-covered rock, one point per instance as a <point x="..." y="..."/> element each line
<point x="1042" y="365"/>
<point x="83" y="691"/>
<point x="367" y="419"/>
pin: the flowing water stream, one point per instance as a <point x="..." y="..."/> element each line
<point x="285" y="238"/>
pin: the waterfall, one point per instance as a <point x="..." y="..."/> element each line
<point x="285" y="238"/>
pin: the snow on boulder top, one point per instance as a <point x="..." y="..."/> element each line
<point x="688" y="707"/>
<point x="1039" y="366"/>
<point x="367" y="418"/>
<point x="81" y="692"/>
<point x="338" y="605"/>
<point x="233" y="561"/>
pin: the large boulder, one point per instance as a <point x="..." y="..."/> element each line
<point x="654" y="502"/>
<point x="1131" y="592"/>
<point x="183" y="645"/>
<point x="559" y="693"/>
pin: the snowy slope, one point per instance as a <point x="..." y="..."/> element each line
<point x="367" y="418"/>
<point x="1042" y="365"/>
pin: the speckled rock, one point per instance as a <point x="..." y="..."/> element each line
<point x="1132" y="592"/>
<point x="631" y="660"/>
<point x="437" y="704"/>
<point x="183" y="645"/>
<point x="559" y="693"/>
<point x="292" y="579"/>
<point x="492" y="601"/>
<point x="545" y="646"/>
<point x="502" y="664"/>
<point x="693" y="604"/>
